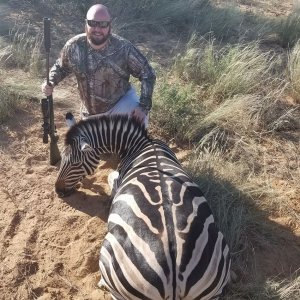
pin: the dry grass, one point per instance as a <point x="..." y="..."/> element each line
<point x="9" y="101"/>
<point x="255" y="181"/>
<point x="288" y="29"/>
<point x="294" y="70"/>
<point x="17" y="89"/>
<point x="22" y="49"/>
<point x="226" y="71"/>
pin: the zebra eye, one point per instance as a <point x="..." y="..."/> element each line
<point x="86" y="147"/>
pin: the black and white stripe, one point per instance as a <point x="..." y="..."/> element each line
<point x="162" y="242"/>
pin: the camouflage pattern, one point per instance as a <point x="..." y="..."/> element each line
<point x="103" y="75"/>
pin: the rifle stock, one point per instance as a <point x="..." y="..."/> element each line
<point x="47" y="105"/>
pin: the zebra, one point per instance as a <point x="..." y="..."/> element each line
<point x="162" y="241"/>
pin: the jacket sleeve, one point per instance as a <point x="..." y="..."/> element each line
<point x="61" y="67"/>
<point x="140" y="68"/>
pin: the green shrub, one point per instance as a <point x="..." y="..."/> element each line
<point x="175" y="109"/>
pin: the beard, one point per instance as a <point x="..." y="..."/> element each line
<point x="98" y="40"/>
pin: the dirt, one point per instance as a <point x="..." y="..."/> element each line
<point x="49" y="246"/>
<point x="272" y="8"/>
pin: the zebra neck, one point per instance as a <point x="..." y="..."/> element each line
<point x="116" y="137"/>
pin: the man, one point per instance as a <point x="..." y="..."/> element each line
<point x="103" y="63"/>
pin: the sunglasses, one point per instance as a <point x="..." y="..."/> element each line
<point x="101" y="24"/>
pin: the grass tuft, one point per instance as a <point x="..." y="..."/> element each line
<point x="9" y="101"/>
<point x="288" y="29"/>
<point x="227" y="71"/>
<point x="294" y="70"/>
<point x="175" y="108"/>
<point x="23" y="51"/>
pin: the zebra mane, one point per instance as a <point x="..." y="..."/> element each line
<point x="98" y="122"/>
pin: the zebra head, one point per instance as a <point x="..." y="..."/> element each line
<point x="78" y="160"/>
<point x="88" y="139"/>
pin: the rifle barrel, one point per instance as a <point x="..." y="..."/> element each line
<point x="47" y="44"/>
<point x="47" y="104"/>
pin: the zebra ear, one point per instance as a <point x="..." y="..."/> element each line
<point x="85" y="147"/>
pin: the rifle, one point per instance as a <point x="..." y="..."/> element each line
<point x="47" y="105"/>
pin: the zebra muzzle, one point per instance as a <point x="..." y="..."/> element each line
<point x="62" y="194"/>
<point x="60" y="189"/>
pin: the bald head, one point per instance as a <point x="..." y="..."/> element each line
<point x="98" y="12"/>
<point x="98" y="26"/>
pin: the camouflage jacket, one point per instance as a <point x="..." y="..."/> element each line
<point x="103" y="75"/>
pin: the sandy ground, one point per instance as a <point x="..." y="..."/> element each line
<point x="49" y="247"/>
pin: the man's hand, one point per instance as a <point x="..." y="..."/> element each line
<point x="47" y="89"/>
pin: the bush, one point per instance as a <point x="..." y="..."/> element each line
<point x="175" y="109"/>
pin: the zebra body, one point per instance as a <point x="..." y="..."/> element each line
<point x="162" y="242"/>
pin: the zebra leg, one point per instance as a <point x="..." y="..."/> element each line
<point x="112" y="181"/>
<point x="103" y="286"/>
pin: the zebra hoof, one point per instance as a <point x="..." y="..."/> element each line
<point x="102" y="285"/>
<point x="112" y="177"/>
